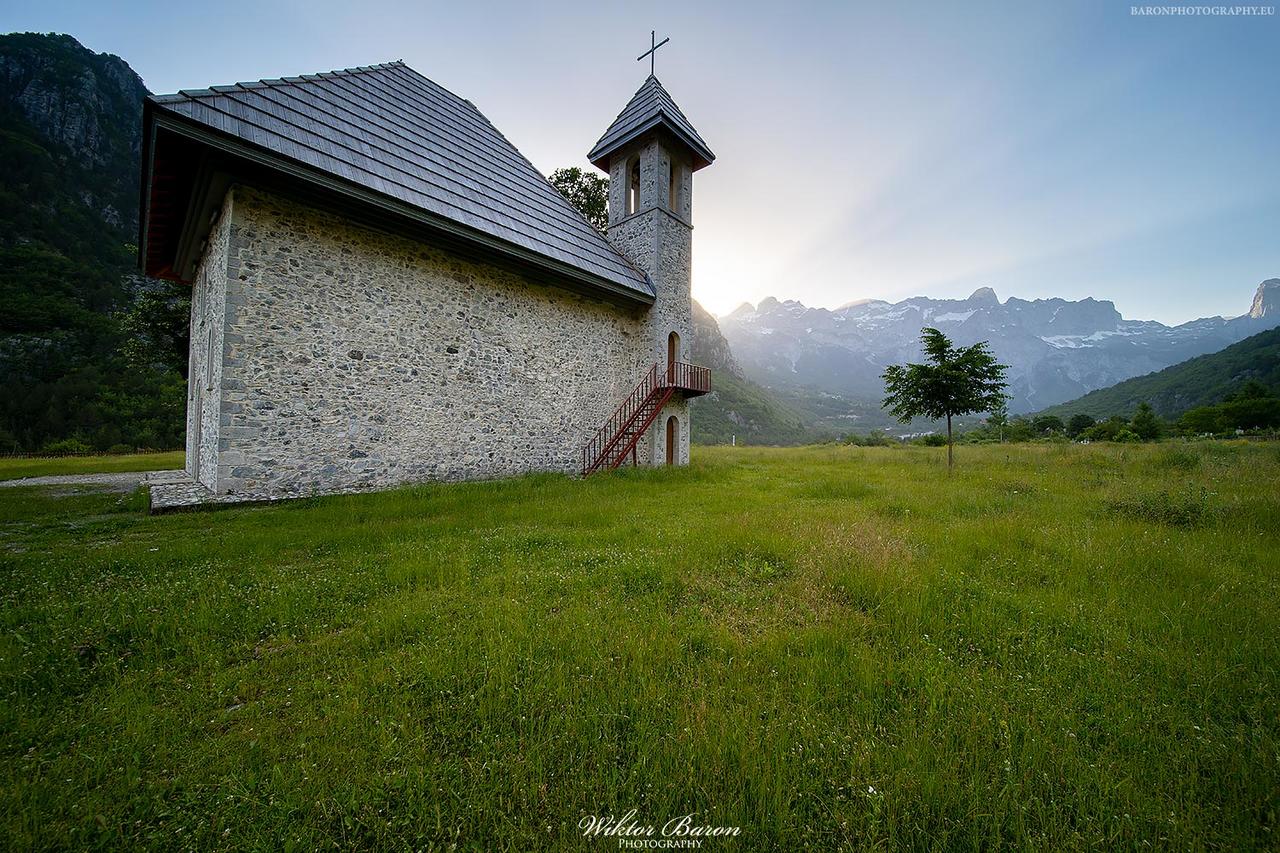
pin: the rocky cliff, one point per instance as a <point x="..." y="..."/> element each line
<point x="70" y="136"/>
<point x="82" y="110"/>
<point x="710" y="346"/>
<point x="737" y="409"/>
<point x="1266" y="302"/>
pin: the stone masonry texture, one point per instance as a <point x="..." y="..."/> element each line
<point x="327" y="357"/>
<point x="658" y="238"/>
<point x="352" y="359"/>
<point x="204" y="374"/>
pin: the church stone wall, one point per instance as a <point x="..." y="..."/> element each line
<point x="204" y="373"/>
<point x="355" y="359"/>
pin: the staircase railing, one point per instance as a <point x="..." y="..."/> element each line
<point x="621" y="432"/>
<point x="689" y="377"/>
<point x="608" y="435"/>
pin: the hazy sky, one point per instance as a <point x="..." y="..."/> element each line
<point x="865" y="150"/>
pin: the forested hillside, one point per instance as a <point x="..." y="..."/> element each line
<point x="1201" y="381"/>
<point x="91" y="355"/>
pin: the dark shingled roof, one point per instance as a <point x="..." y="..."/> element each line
<point x="388" y="129"/>
<point x="649" y="108"/>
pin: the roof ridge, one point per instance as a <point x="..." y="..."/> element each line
<point x="416" y="73"/>
<point x="276" y="81"/>
<point x="390" y="130"/>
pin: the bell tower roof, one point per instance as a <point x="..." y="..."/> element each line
<point x="651" y="108"/>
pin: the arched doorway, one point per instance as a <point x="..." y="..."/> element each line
<point x="673" y="354"/>
<point x="673" y="439"/>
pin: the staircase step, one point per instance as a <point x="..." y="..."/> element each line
<point x="635" y="419"/>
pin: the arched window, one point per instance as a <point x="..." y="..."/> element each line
<point x="673" y="439"/>
<point x="673" y="191"/>
<point x="633" y="186"/>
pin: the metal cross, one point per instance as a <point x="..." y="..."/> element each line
<point x="652" y="49"/>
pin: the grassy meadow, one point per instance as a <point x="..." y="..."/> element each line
<point x="36" y="466"/>
<point x="1055" y="647"/>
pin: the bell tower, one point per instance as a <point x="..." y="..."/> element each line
<point x="651" y="152"/>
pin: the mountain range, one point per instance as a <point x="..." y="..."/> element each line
<point x="94" y="354"/>
<point x="737" y="409"/>
<point x="1057" y="349"/>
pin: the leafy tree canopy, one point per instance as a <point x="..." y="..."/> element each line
<point x="587" y="192"/>
<point x="1078" y="424"/>
<point x="1145" y="424"/>
<point x="952" y="381"/>
<point x="1046" y="424"/>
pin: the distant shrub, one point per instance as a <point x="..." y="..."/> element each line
<point x="1205" y="420"/>
<point x="1047" y="425"/>
<point x="1078" y="424"/>
<point x="933" y="439"/>
<point x="1019" y="429"/>
<point x="1107" y="430"/>
<point x="1252" y="408"/>
<point x="871" y="439"/>
<point x="119" y="449"/>
<point x="1189" y="507"/>
<point x="66" y="447"/>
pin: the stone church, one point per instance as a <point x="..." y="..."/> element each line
<point x="385" y="291"/>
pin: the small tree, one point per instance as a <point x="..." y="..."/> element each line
<point x="999" y="418"/>
<point x="1145" y="424"/>
<point x="1202" y="420"/>
<point x="953" y="381"/>
<point x="1108" y="430"/>
<point x="1019" y="429"/>
<point x="587" y="192"/>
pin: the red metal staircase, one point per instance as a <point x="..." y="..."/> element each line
<point x="617" y="439"/>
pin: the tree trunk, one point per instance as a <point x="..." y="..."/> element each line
<point x="949" y="443"/>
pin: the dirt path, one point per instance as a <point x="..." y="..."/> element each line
<point x="116" y="482"/>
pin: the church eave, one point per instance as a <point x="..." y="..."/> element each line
<point x="605" y="148"/>
<point x="574" y="278"/>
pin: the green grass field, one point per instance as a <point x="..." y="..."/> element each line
<point x="1057" y="647"/>
<point x="18" y="467"/>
